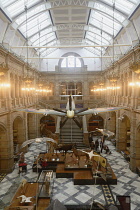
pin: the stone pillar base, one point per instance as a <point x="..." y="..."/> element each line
<point x="85" y="140"/>
<point x="58" y="135"/>
<point x="120" y="146"/>
<point x="134" y="163"/>
<point x="6" y="165"/>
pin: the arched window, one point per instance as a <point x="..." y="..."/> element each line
<point x="71" y="61"/>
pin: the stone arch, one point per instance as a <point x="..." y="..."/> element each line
<point x="124" y="133"/>
<point x="18" y="132"/>
<point x="135" y="148"/>
<point x="95" y="121"/>
<point x="71" y="54"/>
<point x="3" y="147"/>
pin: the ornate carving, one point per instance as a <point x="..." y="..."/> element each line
<point x="3" y="69"/>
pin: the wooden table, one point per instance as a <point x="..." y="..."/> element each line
<point x="22" y="208"/>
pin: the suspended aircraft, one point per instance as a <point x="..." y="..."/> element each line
<point x="71" y="111"/>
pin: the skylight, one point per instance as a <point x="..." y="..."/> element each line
<point x="38" y="22"/>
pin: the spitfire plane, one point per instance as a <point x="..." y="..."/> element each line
<point x="71" y="111"/>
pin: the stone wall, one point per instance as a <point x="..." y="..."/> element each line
<point x="28" y="126"/>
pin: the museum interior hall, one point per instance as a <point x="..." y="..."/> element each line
<point x="69" y="104"/>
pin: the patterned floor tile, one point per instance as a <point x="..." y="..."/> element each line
<point x="2" y="175"/>
<point x="83" y="198"/>
<point x="108" y="195"/>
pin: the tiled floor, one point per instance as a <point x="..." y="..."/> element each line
<point x="66" y="192"/>
<point x="109" y="198"/>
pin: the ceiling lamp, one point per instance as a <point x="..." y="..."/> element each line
<point x="28" y="80"/>
<point x="28" y="83"/>
<point x="113" y="78"/>
<point x="40" y="84"/>
<point x="93" y="87"/>
<point x="101" y="83"/>
<point x="134" y="84"/>
<point x="40" y="87"/>
<point x="135" y="66"/>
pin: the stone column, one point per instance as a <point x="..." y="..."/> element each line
<point x="32" y="125"/>
<point x="85" y="90"/>
<point x="134" y="146"/>
<point x="85" y="131"/>
<point x="120" y="135"/>
<point x="58" y="126"/>
<point x="8" y="95"/>
<point x="111" y="122"/>
<point x="7" y="153"/>
<point x="57" y="91"/>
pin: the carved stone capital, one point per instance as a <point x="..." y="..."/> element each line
<point x="3" y="69"/>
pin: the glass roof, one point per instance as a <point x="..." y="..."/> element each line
<point x="125" y="6"/>
<point x="106" y="19"/>
<point x="34" y="23"/>
<point x="34" y="20"/>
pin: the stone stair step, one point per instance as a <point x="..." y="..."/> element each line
<point x="77" y="134"/>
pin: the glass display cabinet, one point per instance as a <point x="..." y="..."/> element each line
<point x="45" y="182"/>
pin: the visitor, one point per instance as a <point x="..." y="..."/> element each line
<point x="106" y="148"/>
<point x="96" y="144"/>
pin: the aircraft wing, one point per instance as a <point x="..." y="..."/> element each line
<point x="43" y="111"/>
<point x="99" y="110"/>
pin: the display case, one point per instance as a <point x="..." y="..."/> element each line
<point x="45" y="184"/>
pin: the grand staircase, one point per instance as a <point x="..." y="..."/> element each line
<point x="71" y="133"/>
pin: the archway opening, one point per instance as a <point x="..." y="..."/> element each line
<point x="3" y="147"/>
<point x="94" y="122"/>
<point x="18" y="134"/>
<point x="48" y="122"/>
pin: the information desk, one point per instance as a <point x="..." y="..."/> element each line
<point x="28" y="190"/>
